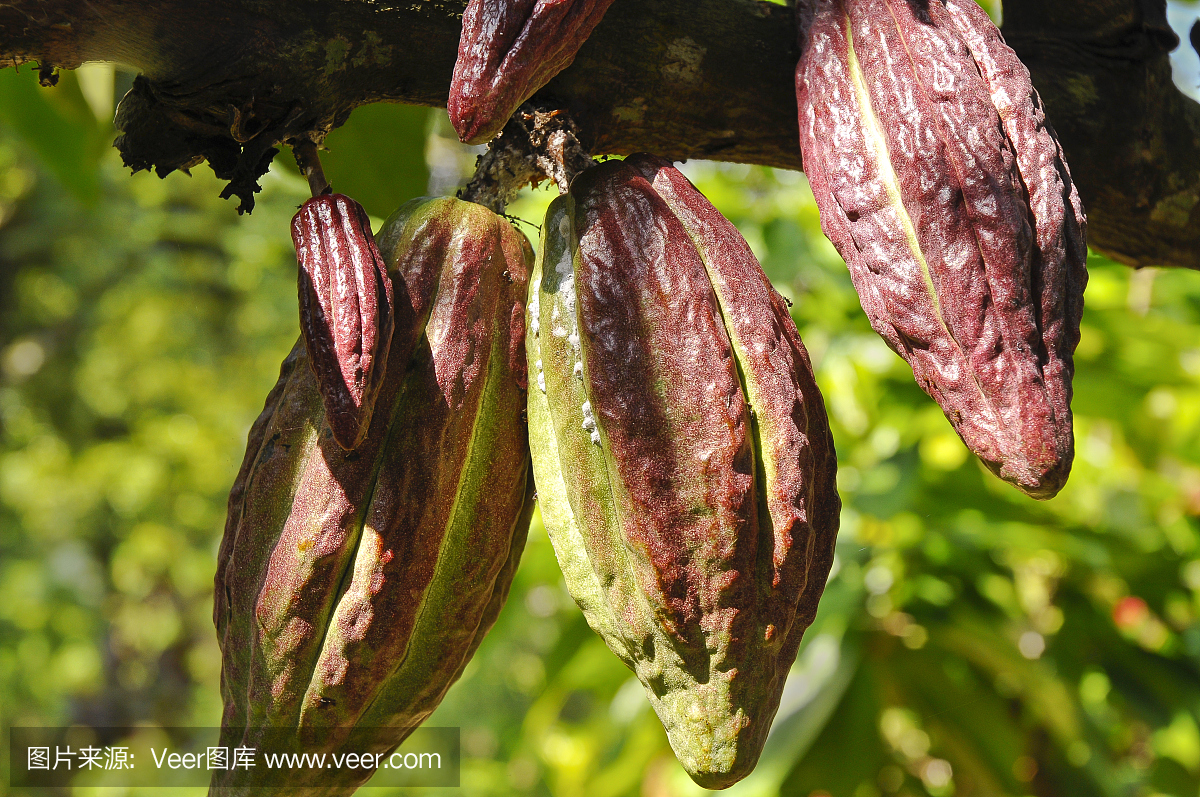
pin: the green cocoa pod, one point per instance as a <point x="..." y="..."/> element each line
<point x="354" y="586"/>
<point x="684" y="464"/>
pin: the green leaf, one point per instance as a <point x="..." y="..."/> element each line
<point x="58" y="125"/>
<point x="378" y="157"/>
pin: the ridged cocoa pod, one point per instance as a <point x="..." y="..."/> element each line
<point x="346" y="310"/>
<point x="942" y="185"/>
<point x="353" y="587"/>
<point x="682" y="454"/>
<point x="509" y="49"/>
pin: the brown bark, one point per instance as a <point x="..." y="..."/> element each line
<point x="227" y="80"/>
<point x="1132" y="139"/>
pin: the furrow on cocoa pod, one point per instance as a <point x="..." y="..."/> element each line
<point x="359" y="589"/>
<point x="944" y="189"/>
<point x="346" y="306"/>
<point x="508" y="50"/>
<point x="694" y="528"/>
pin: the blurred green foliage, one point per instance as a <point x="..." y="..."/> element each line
<point x="971" y="642"/>
<point x="395" y="171"/>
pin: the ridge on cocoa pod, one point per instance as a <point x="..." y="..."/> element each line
<point x="682" y="454"/>
<point x="354" y="586"/>
<point x="943" y="186"/>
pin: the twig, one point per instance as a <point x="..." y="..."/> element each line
<point x="305" y="152"/>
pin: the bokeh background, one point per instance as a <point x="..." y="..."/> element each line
<point x="971" y="641"/>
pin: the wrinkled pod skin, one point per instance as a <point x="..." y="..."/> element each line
<point x="353" y="587"/>
<point x="942" y="185"/>
<point x="508" y="50"/>
<point x="346" y="310"/>
<point x="682" y="454"/>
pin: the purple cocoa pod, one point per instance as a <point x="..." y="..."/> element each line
<point x="685" y="468"/>
<point x="346" y="310"/>
<point x="942" y="185"/>
<point x="509" y="49"/>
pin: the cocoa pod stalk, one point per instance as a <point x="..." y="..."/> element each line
<point x="682" y="454"/>
<point x="509" y="49"/>
<point x="942" y="185"/>
<point x="346" y="308"/>
<point x="354" y="586"/>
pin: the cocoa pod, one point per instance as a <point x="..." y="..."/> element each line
<point x="508" y="50"/>
<point x="345" y="309"/>
<point x="354" y="586"/>
<point x="942" y="184"/>
<point x="682" y="454"/>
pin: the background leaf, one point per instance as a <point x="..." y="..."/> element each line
<point x="377" y="157"/>
<point x="58" y="125"/>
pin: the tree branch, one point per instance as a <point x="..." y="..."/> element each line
<point x="1131" y="138"/>
<point x="227" y="80"/>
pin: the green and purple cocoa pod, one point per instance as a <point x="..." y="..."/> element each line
<point x="508" y="50"/>
<point x="942" y="184"/>
<point x="346" y="309"/>
<point x="682" y="454"/>
<point x="354" y="586"/>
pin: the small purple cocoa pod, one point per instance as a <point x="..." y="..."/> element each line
<point x="346" y="310"/>
<point x="509" y="49"/>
